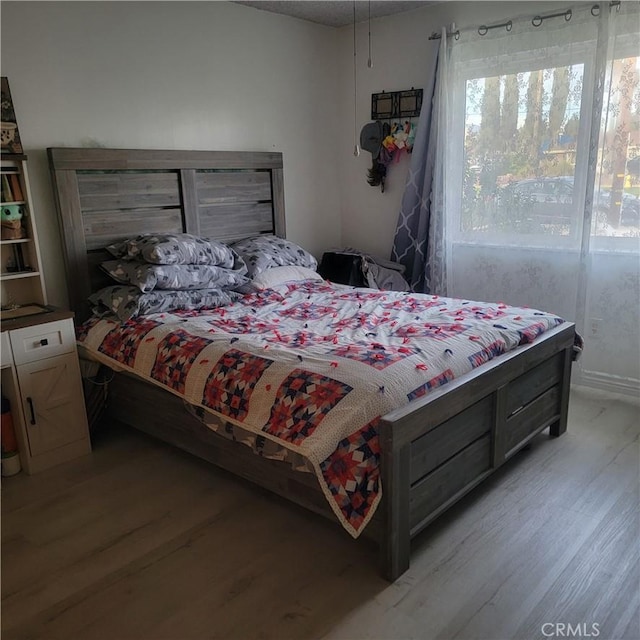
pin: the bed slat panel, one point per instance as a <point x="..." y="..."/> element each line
<point x="83" y="158"/>
<point x="449" y="479"/>
<point x="442" y="443"/>
<point x="236" y="220"/>
<point x="101" y="228"/>
<point x="190" y="201"/>
<point x="108" y="191"/>
<point x="220" y="187"/>
<point x="277" y="187"/>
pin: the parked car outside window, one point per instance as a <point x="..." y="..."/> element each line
<point x="550" y="201"/>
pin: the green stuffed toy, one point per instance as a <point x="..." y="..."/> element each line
<point x="11" y="221"/>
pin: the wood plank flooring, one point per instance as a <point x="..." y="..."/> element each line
<point x="139" y="540"/>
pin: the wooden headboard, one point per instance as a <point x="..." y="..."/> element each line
<point x="106" y="195"/>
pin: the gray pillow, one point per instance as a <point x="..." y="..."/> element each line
<point x="127" y="302"/>
<point x="264" y="252"/>
<point x="148" y="277"/>
<point x="175" y="248"/>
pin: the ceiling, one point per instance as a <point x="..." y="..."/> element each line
<point x="335" y="13"/>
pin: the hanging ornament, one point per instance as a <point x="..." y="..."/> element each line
<point x="356" y="148"/>
<point x="370" y="61"/>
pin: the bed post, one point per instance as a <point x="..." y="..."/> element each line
<point x="395" y="539"/>
<point x="560" y="425"/>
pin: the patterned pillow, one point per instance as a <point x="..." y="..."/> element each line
<point x="127" y="302"/>
<point x="264" y="252"/>
<point x="175" y="248"/>
<point x="148" y="277"/>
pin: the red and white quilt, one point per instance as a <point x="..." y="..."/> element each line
<point x="313" y="367"/>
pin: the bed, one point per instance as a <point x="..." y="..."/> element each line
<point x="433" y="449"/>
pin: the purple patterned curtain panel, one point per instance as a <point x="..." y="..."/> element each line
<point x="410" y="244"/>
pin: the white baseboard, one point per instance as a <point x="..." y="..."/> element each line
<point x="606" y="382"/>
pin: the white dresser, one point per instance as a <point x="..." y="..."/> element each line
<point x="41" y="378"/>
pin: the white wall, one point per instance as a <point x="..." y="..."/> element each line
<point x="612" y="353"/>
<point x="175" y="75"/>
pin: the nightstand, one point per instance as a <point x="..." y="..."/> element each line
<point x="41" y="378"/>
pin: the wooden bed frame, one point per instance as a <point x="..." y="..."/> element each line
<point x="434" y="450"/>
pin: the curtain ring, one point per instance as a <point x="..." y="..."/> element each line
<point x="457" y="35"/>
<point x="595" y="10"/>
<point x="537" y="21"/>
<point x="568" y="15"/>
<point x="482" y="30"/>
<point x="508" y="25"/>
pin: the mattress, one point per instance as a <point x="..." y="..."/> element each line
<point x="312" y="367"/>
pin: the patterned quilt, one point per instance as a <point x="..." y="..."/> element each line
<point x="313" y="367"/>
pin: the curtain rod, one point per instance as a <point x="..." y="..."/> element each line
<point x="536" y="21"/>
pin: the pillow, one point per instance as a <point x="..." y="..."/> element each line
<point x="279" y="275"/>
<point x="148" y="277"/>
<point x="175" y="248"/>
<point x="265" y="252"/>
<point x="127" y="302"/>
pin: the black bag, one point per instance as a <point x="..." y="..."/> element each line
<point x="342" y="268"/>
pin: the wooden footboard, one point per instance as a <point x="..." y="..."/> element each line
<point x="434" y="450"/>
<point x="438" y="448"/>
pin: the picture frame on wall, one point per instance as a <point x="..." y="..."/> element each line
<point x="9" y="134"/>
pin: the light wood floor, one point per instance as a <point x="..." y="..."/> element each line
<point x="141" y="541"/>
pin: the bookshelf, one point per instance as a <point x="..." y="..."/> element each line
<point x="21" y="277"/>
<point x="39" y="370"/>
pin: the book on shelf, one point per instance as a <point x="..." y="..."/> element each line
<point x="15" y="262"/>
<point x="16" y="189"/>
<point x="7" y="194"/>
<point x="11" y="188"/>
<point x="17" y="250"/>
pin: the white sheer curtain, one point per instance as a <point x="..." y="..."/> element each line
<point x="541" y="177"/>
<point x="436" y="248"/>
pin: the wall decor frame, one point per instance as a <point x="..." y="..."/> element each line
<point x="396" y="104"/>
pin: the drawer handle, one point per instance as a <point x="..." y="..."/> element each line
<point x="44" y="342"/>
<point x="33" y="414"/>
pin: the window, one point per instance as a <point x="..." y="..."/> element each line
<point x="539" y="187"/>
<point x="617" y="208"/>
<point x="523" y="167"/>
<point x="520" y="147"/>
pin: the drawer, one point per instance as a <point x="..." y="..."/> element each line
<point x="6" y="359"/>
<point x="537" y="415"/>
<point x="42" y="341"/>
<point x="533" y="383"/>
